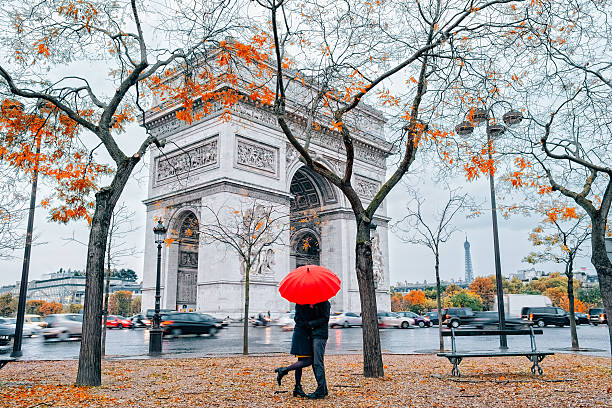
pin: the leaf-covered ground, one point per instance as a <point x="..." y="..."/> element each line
<point x="410" y="381"/>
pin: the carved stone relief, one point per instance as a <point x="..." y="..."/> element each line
<point x="256" y="156"/>
<point x="186" y="160"/>
<point x="365" y="187"/>
<point x="378" y="261"/>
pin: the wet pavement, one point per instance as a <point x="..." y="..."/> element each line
<point x="134" y="343"/>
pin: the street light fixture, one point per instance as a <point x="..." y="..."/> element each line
<point x="155" y="334"/>
<point x="494" y="130"/>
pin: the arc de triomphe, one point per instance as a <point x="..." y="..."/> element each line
<point x="217" y="162"/>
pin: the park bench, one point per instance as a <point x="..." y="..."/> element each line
<point x="5" y="360"/>
<point x="456" y="357"/>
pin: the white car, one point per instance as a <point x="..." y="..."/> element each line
<point x="28" y="328"/>
<point x="390" y="319"/>
<point x="286" y="321"/>
<point x="63" y="326"/>
<point x="346" y="319"/>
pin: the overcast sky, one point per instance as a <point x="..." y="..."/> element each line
<point x="407" y="262"/>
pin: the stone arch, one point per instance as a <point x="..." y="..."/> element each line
<point x="187" y="251"/>
<point x="305" y="248"/>
<point x="326" y="191"/>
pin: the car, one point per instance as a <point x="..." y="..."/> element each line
<point x="176" y="324"/>
<point x="63" y="326"/>
<point x="118" y="322"/>
<point x="490" y="320"/>
<point x="432" y="317"/>
<point x="140" y="320"/>
<point x="543" y="316"/>
<point x="419" y="320"/>
<point x="457" y="316"/>
<point x="35" y="319"/>
<point x="7" y="331"/>
<point x="285" y="321"/>
<point x="390" y="319"/>
<point x="346" y="319"/>
<point x="28" y="329"/>
<point x="222" y="323"/>
<point x="581" y="318"/>
<point x="150" y="312"/>
<point x="598" y="316"/>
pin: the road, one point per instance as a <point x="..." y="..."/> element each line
<point x="134" y="343"/>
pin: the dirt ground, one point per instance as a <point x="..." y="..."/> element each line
<point x="410" y="381"/>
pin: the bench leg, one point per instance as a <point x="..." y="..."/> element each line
<point x="536" y="364"/>
<point x="456" y="361"/>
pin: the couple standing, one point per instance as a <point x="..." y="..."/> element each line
<point x="308" y="345"/>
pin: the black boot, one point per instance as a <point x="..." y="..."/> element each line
<point x="320" y="393"/>
<point x="280" y="373"/>
<point x="298" y="391"/>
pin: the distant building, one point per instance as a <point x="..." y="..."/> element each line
<point x="527" y="275"/>
<point x="469" y="273"/>
<point x="68" y="287"/>
<point x="405" y="287"/>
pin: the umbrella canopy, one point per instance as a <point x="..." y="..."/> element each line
<point x="309" y="284"/>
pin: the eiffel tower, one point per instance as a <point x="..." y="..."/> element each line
<point x="469" y="273"/>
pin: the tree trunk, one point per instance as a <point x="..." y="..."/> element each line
<point x="107" y="288"/>
<point x="603" y="266"/>
<point x="570" y="296"/>
<point x="90" y="359"/>
<point x="438" y="294"/>
<point x="245" y="323"/>
<point x="372" y="356"/>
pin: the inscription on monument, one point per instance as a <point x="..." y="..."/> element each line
<point x="189" y="159"/>
<point x="256" y="156"/>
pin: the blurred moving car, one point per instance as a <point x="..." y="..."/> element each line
<point x="457" y="316"/>
<point x="118" y="322"/>
<point x="419" y="320"/>
<point x="598" y="316"/>
<point x="581" y="318"/>
<point x="35" y="319"/>
<point x="286" y="322"/>
<point x="347" y="319"/>
<point x="150" y="312"/>
<point x="7" y="331"/>
<point x="176" y="324"/>
<point x="221" y="322"/>
<point x="490" y="320"/>
<point x="433" y="317"/>
<point x="63" y="326"/>
<point x="390" y="319"/>
<point x="139" y="320"/>
<point x="29" y="329"/>
<point x="543" y="316"/>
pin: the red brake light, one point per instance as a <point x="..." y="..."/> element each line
<point x="602" y="316"/>
<point x="166" y="322"/>
<point x="448" y="316"/>
<point x="530" y="316"/>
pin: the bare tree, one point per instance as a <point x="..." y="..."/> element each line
<point x="353" y="52"/>
<point x="251" y="229"/>
<point x="48" y="38"/>
<point x="432" y="231"/>
<point x="561" y="235"/>
<point x="12" y="211"/>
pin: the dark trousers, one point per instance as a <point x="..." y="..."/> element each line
<point x="302" y="362"/>
<point x="318" y="366"/>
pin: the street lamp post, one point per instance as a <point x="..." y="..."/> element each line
<point x="494" y="130"/>
<point x="155" y="334"/>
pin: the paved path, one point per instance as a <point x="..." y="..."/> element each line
<point x="134" y="343"/>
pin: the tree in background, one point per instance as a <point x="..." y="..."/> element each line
<point x="431" y="231"/>
<point x="485" y="288"/>
<point x="120" y="303"/>
<point x="466" y="298"/>
<point x="416" y="301"/>
<point x="251" y="230"/>
<point x="136" y="305"/>
<point x="47" y="308"/>
<point x="590" y="296"/>
<point x="125" y="274"/>
<point x="33" y="306"/>
<point x="8" y="304"/>
<point x="74" y="308"/>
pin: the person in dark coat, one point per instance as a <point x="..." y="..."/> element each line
<point x="301" y="347"/>
<point x="319" y="324"/>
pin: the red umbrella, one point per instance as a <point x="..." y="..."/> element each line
<point x="309" y="284"/>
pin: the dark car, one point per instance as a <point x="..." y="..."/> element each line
<point x="419" y="320"/>
<point x="7" y="331"/>
<point x="598" y="316"/>
<point x="176" y="324"/>
<point x="150" y="312"/>
<point x="458" y="316"/>
<point x="581" y="318"/>
<point x="490" y="320"/>
<point x="433" y="317"/>
<point x="221" y="322"/>
<point x="548" y="315"/>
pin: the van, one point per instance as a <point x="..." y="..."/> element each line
<point x="597" y="316"/>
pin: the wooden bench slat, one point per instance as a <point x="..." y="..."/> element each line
<point x="484" y="332"/>
<point x="500" y="354"/>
